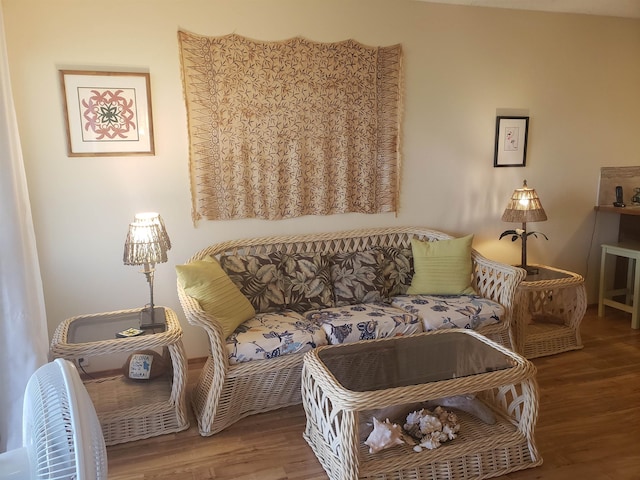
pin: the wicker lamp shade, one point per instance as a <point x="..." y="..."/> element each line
<point x="524" y="206"/>
<point x="147" y="243"/>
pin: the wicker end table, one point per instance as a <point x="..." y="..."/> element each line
<point x="129" y="410"/>
<point x="343" y="386"/>
<point x="549" y="308"/>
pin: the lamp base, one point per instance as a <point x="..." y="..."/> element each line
<point x="530" y="270"/>
<point x="147" y="322"/>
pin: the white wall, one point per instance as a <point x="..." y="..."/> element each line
<point x="576" y="76"/>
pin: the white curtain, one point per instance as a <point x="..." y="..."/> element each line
<point x="23" y="326"/>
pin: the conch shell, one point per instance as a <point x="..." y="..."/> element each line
<point x="384" y="435"/>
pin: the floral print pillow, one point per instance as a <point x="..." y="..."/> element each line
<point x="259" y="278"/>
<point x="357" y="277"/>
<point x="397" y="270"/>
<point x="307" y="281"/>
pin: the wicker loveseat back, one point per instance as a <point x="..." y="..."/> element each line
<point x="225" y="393"/>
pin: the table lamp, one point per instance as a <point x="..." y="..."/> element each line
<point x="147" y="243"/>
<point x="524" y="207"/>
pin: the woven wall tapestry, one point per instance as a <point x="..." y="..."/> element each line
<point x="285" y="129"/>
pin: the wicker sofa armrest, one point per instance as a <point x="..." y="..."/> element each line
<point x="496" y="281"/>
<point x="196" y="316"/>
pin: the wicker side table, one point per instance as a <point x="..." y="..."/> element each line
<point x="128" y="410"/>
<point x="549" y="307"/>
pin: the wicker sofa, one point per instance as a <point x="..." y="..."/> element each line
<point x="230" y="388"/>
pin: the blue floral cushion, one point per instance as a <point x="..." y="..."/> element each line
<point x="364" y="322"/>
<point x="269" y="335"/>
<point x="451" y="311"/>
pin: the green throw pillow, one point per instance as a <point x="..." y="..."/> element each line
<point x="205" y="281"/>
<point x="442" y="267"/>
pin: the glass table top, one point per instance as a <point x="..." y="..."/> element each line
<point x="94" y="328"/>
<point x="546" y="274"/>
<point x="411" y="360"/>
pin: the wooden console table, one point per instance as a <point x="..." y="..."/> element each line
<point x="628" y="233"/>
<point x="629" y="179"/>
<point x="629" y="229"/>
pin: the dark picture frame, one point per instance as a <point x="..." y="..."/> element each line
<point x="511" y="141"/>
<point x="107" y="113"/>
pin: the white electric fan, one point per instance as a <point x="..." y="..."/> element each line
<point x="61" y="434"/>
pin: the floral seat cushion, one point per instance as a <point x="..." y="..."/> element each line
<point x="364" y="321"/>
<point x="269" y="335"/>
<point x="451" y="311"/>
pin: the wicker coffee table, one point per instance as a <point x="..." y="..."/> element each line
<point x="343" y="384"/>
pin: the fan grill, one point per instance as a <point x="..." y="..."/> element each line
<point x="61" y="430"/>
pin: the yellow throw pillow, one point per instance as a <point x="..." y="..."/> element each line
<point x="442" y="267"/>
<point x="205" y="281"/>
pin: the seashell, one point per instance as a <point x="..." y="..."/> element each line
<point x="430" y="423"/>
<point x="409" y="440"/>
<point x="431" y="441"/>
<point x="431" y="428"/>
<point x="451" y="432"/>
<point x="395" y="413"/>
<point x="413" y="418"/>
<point x="384" y="435"/>
<point x="413" y="429"/>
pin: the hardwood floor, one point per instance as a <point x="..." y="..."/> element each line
<point x="588" y="425"/>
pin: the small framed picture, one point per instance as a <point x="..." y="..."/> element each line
<point x="511" y="141"/>
<point x="107" y="113"/>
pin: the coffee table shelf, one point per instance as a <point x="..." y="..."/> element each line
<point x="335" y="414"/>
